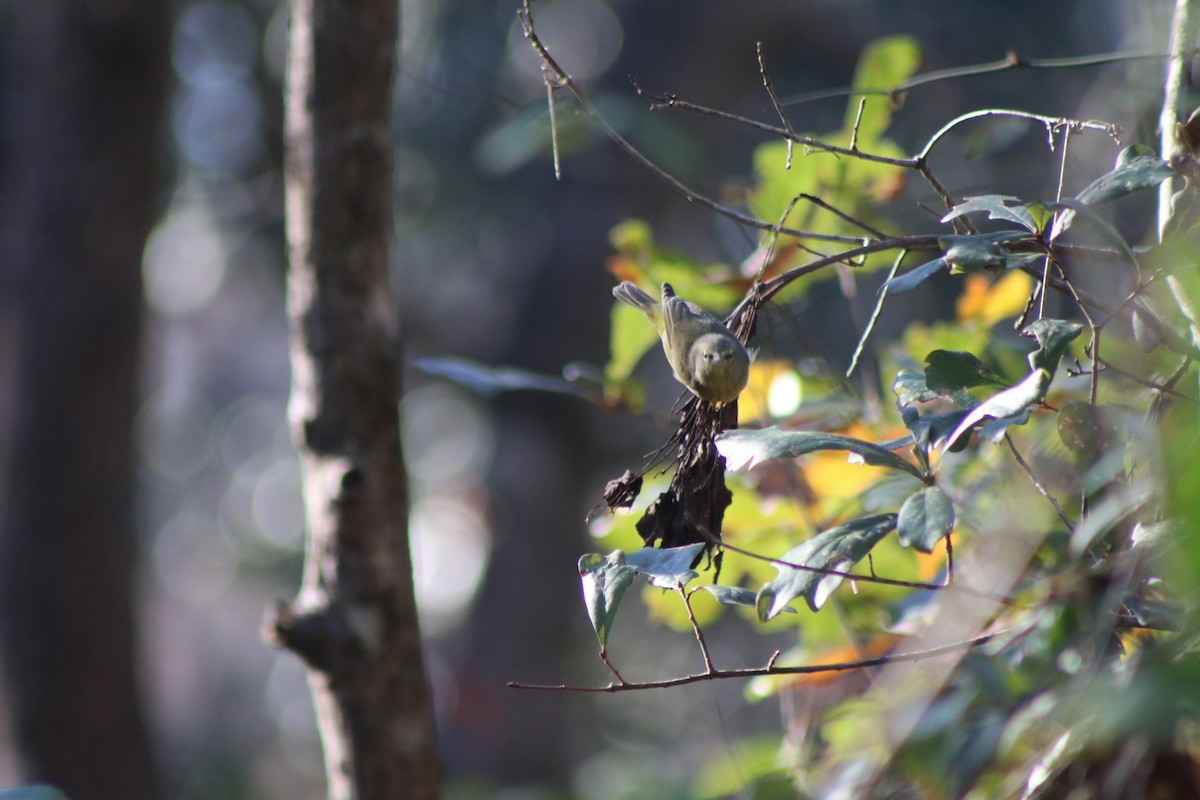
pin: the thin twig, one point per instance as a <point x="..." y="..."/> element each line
<point x="1166" y="387"/>
<point x="950" y="564"/>
<point x="687" y="603"/>
<point x="1093" y="328"/>
<point x="855" y="221"/>
<point x="553" y="126"/>
<point x="862" y="104"/>
<point x="770" y="669"/>
<point x="1011" y="61"/>
<point x="762" y="69"/>
<point x="604" y="657"/>
<point x="1052" y="124"/>
<point x="857" y="576"/>
<point x="1038" y="484"/>
<point x="565" y="81"/>
<point x="875" y="314"/>
<point x="920" y="242"/>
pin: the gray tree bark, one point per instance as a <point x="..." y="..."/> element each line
<point x="354" y="621"/>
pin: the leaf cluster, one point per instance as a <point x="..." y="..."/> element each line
<point x="1011" y="542"/>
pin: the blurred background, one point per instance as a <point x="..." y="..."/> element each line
<point x="143" y="343"/>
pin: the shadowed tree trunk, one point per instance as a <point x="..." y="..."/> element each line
<point x="354" y="621"/>
<point x="84" y="88"/>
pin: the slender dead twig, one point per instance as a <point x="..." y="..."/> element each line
<point x="563" y="80"/>
<point x="762" y="69"/>
<point x="769" y="669"/>
<point x="1011" y="61"/>
<point x="871" y="578"/>
<point x="687" y="603"/>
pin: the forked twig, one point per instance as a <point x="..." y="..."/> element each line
<point x="762" y="69"/>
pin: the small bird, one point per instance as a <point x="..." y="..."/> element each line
<point x="704" y="355"/>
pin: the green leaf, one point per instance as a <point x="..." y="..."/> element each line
<point x="884" y="64"/>
<point x="1138" y="168"/>
<point x="925" y="518"/>
<point x="1053" y="337"/>
<point x="949" y="370"/>
<point x="666" y="567"/>
<point x="997" y="207"/>
<point x="604" y="583"/>
<point x="914" y="277"/>
<point x="735" y="595"/>
<point x="974" y="253"/>
<point x="743" y="449"/>
<point x="910" y="388"/>
<point x="1010" y="407"/>
<point x="836" y="549"/>
<point x="631" y="336"/>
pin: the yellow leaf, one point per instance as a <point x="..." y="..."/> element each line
<point x="986" y="302"/>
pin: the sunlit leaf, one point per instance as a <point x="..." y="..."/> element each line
<point x="1138" y="168"/>
<point x="1010" y="407"/>
<point x="884" y="64"/>
<point x="997" y="207"/>
<point x="735" y="595"/>
<point x="925" y="519"/>
<point x="743" y="449"/>
<point x="666" y="567"/>
<point x="836" y="549"/>
<point x="1053" y="337"/>
<point x="605" y="580"/>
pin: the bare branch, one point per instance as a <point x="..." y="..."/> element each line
<point x="769" y="669"/>
<point x="872" y="578"/>
<point x="558" y="75"/>
<point x="1010" y="62"/>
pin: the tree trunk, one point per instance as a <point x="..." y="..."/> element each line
<point x="85" y="88"/>
<point x="354" y="621"/>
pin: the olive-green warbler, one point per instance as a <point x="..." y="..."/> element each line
<point x="704" y="355"/>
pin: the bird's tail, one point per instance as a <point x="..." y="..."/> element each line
<point x="628" y="292"/>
